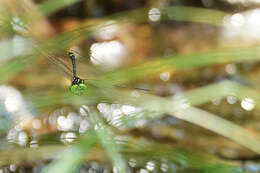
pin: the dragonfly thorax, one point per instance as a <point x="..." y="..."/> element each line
<point x="76" y="80"/>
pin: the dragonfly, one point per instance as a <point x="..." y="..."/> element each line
<point x="78" y="85"/>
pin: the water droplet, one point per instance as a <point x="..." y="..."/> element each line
<point x="248" y="104"/>
<point x="165" y="76"/>
<point x="154" y="14"/>
<point x="216" y="102"/>
<point x="231" y="99"/>
<point x="64" y="124"/>
<point x="22" y="138"/>
<point x="34" y="144"/>
<point x="84" y="126"/>
<point x="132" y="162"/>
<point x="164" y="167"/>
<point x="13" y="167"/>
<point x="150" y="165"/>
<point x="68" y="137"/>
<point x="231" y="68"/>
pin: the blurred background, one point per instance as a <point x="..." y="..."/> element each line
<point x="172" y="86"/>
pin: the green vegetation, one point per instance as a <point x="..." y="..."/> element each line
<point x="134" y="140"/>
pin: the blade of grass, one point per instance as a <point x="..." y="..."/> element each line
<point x="205" y="95"/>
<point x="191" y="14"/>
<point x="134" y="148"/>
<point x="84" y="31"/>
<point x="221" y="90"/>
<point x="180" y="107"/>
<point x="220" y="126"/>
<point x="72" y="157"/>
<point x="182" y="62"/>
<point x="12" y="67"/>
<point x="105" y="136"/>
<point x="145" y="151"/>
<point x="181" y="13"/>
<point x="17" y="155"/>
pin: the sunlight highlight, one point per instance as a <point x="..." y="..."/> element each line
<point x="244" y="2"/>
<point x="115" y="113"/>
<point x="150" y="165"/>
<point x="248" y="104"/>
<point x="242" y="27"/>
<point x="154" y="14"/>
<point x="165" y="76"/>
<point x="231" y="69"/>
<point x="14" y="107"/>
<point x="132" y="162"/>
<point x="68" y="137"/>
<point x="64" y="124"/>
<point x="22" y="138"/>
<point x="109" y="54"/>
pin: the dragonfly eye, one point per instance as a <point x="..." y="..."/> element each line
<point x="78" y="89"/>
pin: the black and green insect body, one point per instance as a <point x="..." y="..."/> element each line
<point x="78" y="86"/>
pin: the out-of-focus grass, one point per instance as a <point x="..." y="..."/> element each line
<point x="183" y="62"/>
<point x="13" y="67"/>
<point x="190" y="14"/>
<point x="106" y="137"/>
<point x="180" y="108"/>
<point x="72" y="157"/>
<point x="138" y="149"/>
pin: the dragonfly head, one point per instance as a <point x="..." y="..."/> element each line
<point x="78" y="86"/>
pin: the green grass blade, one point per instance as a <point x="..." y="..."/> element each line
<point x="180" y="107"/>
<point x="139" y="149"/>
<point x="182" y="62"/>
<point x="138" y="16"/>
<point x="12" y="67"/>
<point x="72" y="157"/>
<point x="191" y="14"/>
<point x="108" y="142"/>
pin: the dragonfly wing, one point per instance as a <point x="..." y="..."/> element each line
<point x="58" y="62"/>
<point x="62" y="66"/>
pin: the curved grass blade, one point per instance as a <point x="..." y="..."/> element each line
<point x="139" y="149"/>
<point x="174" y="63"/>
<point x="189" y="14"/>
<point x="107" y="139"/>
<point x="63" y="40"/>
<point x="180" y="108"/>
<point x="72" y="157"/>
